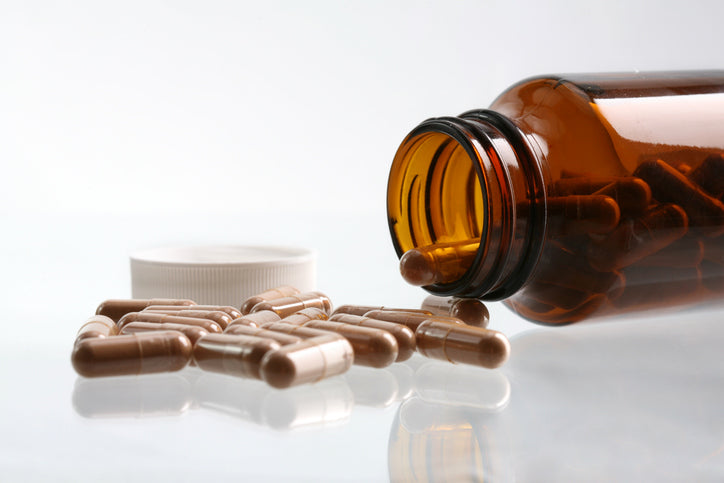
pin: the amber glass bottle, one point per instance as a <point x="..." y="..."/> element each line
<point x="571" y="197"/>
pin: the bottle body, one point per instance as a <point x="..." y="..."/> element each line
<point x="571" y="197"/>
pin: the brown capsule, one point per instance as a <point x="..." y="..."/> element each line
<point x="636" y="239"/>
<point x="283" y="339"/>
<point x="440" y="263"/>
<point x="309" y="361"/>
<point x="714" y="250"/>
<point x="658" y="287"/>
<point x="471" y="311"/>
<point x="404" y="336"/>
<point x="631" y="194"/>
<point x="208" y="325"/>
<point x="705" y="213"/>
<point x="409" y="319"/>
<point x="287" y="306"/>
<point x="305" y="316"/>
<point x="147" y="353"/>
<point x="297" y="330"/>
<point x="97" y="326"/>
<point x="117" y="308"/>
<point x="221" y="318"/>
<point x="564" y="267"/>
<point x="372" y="347"/>
<point x="684" y="252"/>
<point x="192" y="332"/>
<point x="709" y="175"/>
<point x="238" y="355"/>
<point x="462" y="344"/>
<point x="275" y="293"/>
<point x="257" y="319"/>
<point x="581" y="214"/>
<point x="232" y="312"/>
<point x="363" y="309"/>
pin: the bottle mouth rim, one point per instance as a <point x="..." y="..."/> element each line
<point x="492" y="143"/>
<point x="456" y="131"/>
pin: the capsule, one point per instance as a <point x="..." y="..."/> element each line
<point x="404" y="336"/>
<point x="232" y="312"/>
<point x="287" y="306"/>
<point x="257" y="319"/>
<point x="440" y="263"/>
<point x="208" y="325"/>
<point x="309" y="361"/>
<point x="637" y="239"/>
<point x="462" y="344"/>
<point x="709" y="175"/>
<point x="363" y="309"/>
<point x="275" y="293"/>
<point x="221" y="318"/>
<point x="97" y="326"/>
<point x="372" y="347"/>
<point x="237" y="355"/>
<point x="117" y="308"/>
<point x="283" y="339"/>
<point x="146" y="353"/>
<point x="297" y="330"/>
<point x="470" y="311"/>
<point x="684" y="252"/>
<point x="582" y="214"/>
<point x="305" y="316"/>
<point x="631" y="194"/>
<point x="192" y="332"/>
<point x="669" y="185"/>
<point x="409" y="319"/>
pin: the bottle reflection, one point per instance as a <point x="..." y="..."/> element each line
<point x="635" y="400"/>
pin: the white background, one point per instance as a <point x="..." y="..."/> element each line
<point x="134" y="124"/>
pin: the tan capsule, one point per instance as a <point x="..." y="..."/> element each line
<point x="232" y="312"/>
<point x="297" y="330"/>
<point x="238" y="355"/>
<point x="305" y="316"/>
<point x="283" y="339"/>
<point x="582" y="214"/>
<point x="287" y="306"/>
<point x="97" y="326"/>
<point x="309" y="361"/>
<point x="372" y="347"/>
<point x="471" y="311"/>
<point x="705" y="213"/>
<point x="709" y="175"/>
<point x="221" y="318"/>
<point x="192" y="332"/>
<point x="631" y="194"/>
<point x="208" y="325"/>
<point x="409" y="319"/>
<point x="132" y="354"/>
<point x="462" y="344"/>
<point x="117" y="308"/>
<point x="404" y="336"/>
<point x="363" y="309"/>
<point x="439" y="263"/>
<point x="275" y="293"/>
<point x="636" y="239"/>
<point x="257" y="319"/>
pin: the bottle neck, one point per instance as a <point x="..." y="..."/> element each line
<point x="457" y="181"/>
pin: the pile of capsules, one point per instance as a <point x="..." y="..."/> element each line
<point x="281" y="336"/>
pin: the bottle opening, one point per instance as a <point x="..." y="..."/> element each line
<point x="436" y="206"/>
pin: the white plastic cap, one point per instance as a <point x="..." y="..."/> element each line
<point x="219" y="275"/>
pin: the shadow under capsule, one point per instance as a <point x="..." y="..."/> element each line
<point x="624" y="401"/>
